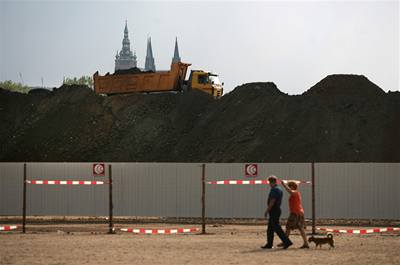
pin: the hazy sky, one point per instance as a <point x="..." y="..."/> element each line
<point x="293" y="44"/>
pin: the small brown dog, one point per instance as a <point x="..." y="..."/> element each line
<point x="322" y="240"/>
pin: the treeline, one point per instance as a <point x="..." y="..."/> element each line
<point x="83" y="80"/>
<point x="13" y="86"/>
<point x="21" y="88"/>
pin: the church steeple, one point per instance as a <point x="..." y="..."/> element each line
<point x="126" y="59"/>
<point x="149" y="64"/>
<point x="176" y="57"/>
<point x="126" y="29"/>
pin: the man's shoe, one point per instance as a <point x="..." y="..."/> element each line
<point x="305" y="246"/>
<point x="266" y="246"/>
<point x="288" y="245"/>
<point x="280" y="245"/>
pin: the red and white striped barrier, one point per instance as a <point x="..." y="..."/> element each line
<point x="362" y="231"/>
<point x="65" y="182"/>
<point x="160" y="231"/>
<point x="251" y="182"/>
<point x="8" y="227"/>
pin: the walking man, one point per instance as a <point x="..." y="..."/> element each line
<point x="274" y="212"/>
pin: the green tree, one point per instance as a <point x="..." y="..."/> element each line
<point x="13" y="86"/>
<point x="83" y="80"/>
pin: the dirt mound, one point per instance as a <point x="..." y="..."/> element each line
<point x="133" y="70"/>
<point x="39" y="91"/>
<point x="255" y="122"/>
<point x="345" y="85"/>
<point x="264" y="88"/>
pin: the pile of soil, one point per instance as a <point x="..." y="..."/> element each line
<point x="343" y="118"/>
<point x="133" y="70"/>
<point x="345" y="85"/>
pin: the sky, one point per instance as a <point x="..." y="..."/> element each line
<point x="294" y="44"/>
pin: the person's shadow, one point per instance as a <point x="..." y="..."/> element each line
<point x="258" y="250"/>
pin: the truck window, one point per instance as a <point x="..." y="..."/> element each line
<point x="214" y="80"/>
<point x="202" y="79"/>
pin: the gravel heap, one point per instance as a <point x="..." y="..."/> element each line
<point x="343" y="118"/>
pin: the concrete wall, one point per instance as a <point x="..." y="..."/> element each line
<point x="358" y="190"/>
<point x="157" y="189"/>
<point x="244" y="201"/>
<point x="343" y="190"/>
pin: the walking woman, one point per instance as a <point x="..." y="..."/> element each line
<point x="296" y="217"/>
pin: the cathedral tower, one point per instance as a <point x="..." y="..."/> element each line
<point x="149" y="64"/>
<point x="176" y="57"/>
<point x="125" y="59"/>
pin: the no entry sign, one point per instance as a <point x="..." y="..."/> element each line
<point x="98" y="169"/>
<point x="251" y="170"/>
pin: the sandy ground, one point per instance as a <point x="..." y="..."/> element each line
<point x="227" y="244"/>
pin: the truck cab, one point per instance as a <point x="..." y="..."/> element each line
<point x="206" y="82"/>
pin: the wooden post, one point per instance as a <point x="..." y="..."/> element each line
<point x="110" y="218"/>
<point x="203" y="199"/>
<point x="24" y="202"/>
<point x="313" y="196"/>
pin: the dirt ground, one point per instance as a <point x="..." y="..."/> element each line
<point x="224" y="244"/>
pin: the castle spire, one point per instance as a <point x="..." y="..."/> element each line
<point x="176" y="57"/>
<point x="126" y="59"/>
<point x="149" y="64"/>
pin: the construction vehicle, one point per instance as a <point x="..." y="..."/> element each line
<point x="206" y="82"/>
<point x="159" y="81"/>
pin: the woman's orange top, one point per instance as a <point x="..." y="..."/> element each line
<point x="295" y="203"/>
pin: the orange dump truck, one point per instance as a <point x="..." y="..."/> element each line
<point x="160" y="81"/>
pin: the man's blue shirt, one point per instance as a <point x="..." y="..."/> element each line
<point x="275" y="193"/>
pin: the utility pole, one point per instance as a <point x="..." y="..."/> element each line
<point x="20" y="76"/>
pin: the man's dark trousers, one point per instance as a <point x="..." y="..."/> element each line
<point x="274" y="226"/>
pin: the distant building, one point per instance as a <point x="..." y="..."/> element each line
<point x="149" y="64"/>
<point x="125" y="59"/>
<point x="176" y="57"/>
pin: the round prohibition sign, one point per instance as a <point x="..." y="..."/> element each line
<point x="98" y="169"/>
<point x="251" y="170"/>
